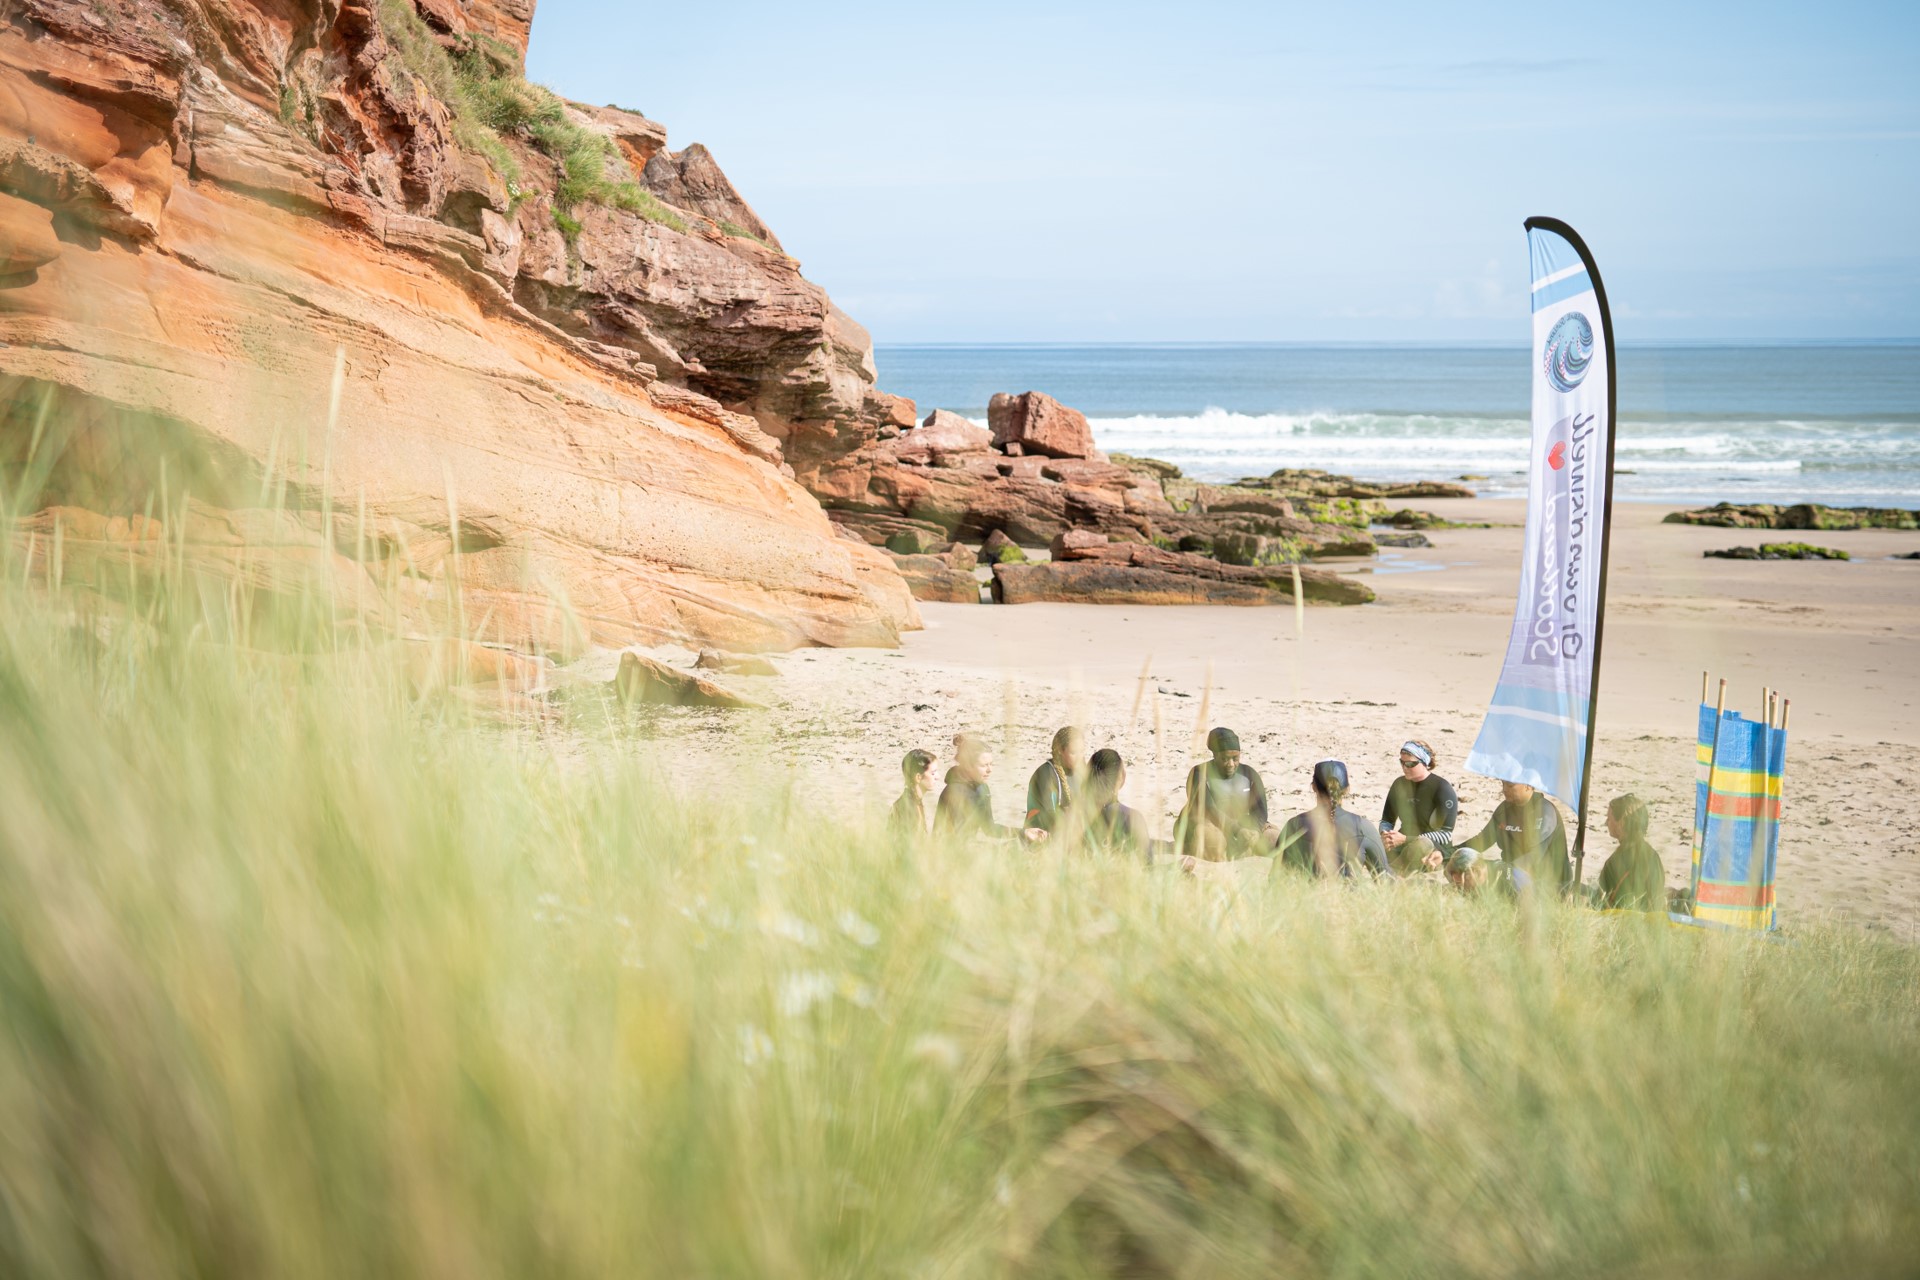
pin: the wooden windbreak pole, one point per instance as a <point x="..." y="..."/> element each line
<point x="1713" y="764"/>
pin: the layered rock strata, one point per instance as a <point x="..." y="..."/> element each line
<point x="247" y="232"/>
<point x="1088" y="571"/>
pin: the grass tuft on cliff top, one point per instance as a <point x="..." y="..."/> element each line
<point x="303" y="975"/>
<point x="489" y="99"/>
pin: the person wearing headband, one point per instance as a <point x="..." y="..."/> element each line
<point x="1326" y="840"/>
<point x="1226" y="810"/>
<point x="1417" y="820"/>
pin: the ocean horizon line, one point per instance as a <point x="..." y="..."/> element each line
<point x="1425" y="344"/>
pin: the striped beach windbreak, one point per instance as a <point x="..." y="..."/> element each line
<point x="1736" y="819"/>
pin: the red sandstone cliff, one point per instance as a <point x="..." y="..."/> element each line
<point x="205" y="204"/>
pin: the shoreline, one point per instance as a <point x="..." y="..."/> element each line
<point x="1419" y="662"/>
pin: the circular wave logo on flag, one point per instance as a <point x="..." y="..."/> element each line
<point x="1569" y="351"/>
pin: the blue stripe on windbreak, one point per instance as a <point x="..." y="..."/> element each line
<point x="1561" y="290"/>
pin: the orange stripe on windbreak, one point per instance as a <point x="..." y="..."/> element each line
<point x="1744" y="806"/>
<point x="1751" y="897"/>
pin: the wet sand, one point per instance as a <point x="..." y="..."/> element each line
<point x="1353" y="683"/>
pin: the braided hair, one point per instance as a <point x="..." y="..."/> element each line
<point x="1330" y="780"/>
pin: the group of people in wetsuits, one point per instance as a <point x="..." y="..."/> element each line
<point x="1074" y="798"/>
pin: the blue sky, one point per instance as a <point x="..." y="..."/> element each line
<point x="1232" y="172"/>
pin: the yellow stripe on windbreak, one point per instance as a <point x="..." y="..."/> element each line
<point x="1745" y="782"/>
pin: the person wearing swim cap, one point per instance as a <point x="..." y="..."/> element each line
<point x="965" y="808"/>
<point x="1530" y="836"/>
<point x="1326" y="840"/>
<point x="1053" y="786"/>
<point x="1226" y="811"/>
<point x="1418" y="816"/>
<point x="1633" y="879"/>
<point x="907" y="820"/>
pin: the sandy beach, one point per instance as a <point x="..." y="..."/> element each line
<point x="1835" y="637"/>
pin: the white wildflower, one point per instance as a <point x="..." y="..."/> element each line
<point x="941" y="1051"/>
<point x="756" y="1046"/>
<point x="800" y="991"/>
<point x="778" y="924"/>
<point x="860" y="930"/>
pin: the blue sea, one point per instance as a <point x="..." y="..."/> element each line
<point x="1697" y="424"/>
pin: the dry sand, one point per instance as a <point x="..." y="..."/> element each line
<point x="1838" y="638"/>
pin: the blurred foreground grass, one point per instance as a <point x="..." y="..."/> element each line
<point x="300" y="976"/>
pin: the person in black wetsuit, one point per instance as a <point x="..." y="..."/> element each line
<point x="1417" y="819"/>
<point x="965" y="808"/>
<point x="1112" y="827"/>
<point x="1226" y="810"/>
<point x="1053" y="786"/>
<point x="907" y="820"/>
<point x="1633" y="879"/>
<point x="1326" y="839"/>
<point x="1531" y="838"/>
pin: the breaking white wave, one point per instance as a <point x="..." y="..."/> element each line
<point x="1829" y="460"/>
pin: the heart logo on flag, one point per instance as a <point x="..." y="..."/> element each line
<point x="1557" y="456"/>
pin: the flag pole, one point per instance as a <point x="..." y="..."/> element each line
<point x="1572" y="237"/>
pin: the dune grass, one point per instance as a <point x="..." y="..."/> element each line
<point x="490" y="100"/>
<point x="303" y="976"/>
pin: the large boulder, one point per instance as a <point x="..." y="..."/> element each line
<point x="943" y="437"/>
<point x="938" y="579"/>
<point x="1033" y="422"/>
<point x="645" y="680"/>
<point x="1237" y="499"/>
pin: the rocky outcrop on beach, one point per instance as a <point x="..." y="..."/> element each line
<point x="950" y="479"/>
<point x="1036" y="473"/>
<point x="645" y="681"/>
<point x="1804" y="515"/>
<point x="1306" y="483"/>
<point x="1086" y="568"/>
<point x="1778" y="551"/>
<point x="308" y="259"/>
<point x="295" y="248"/>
